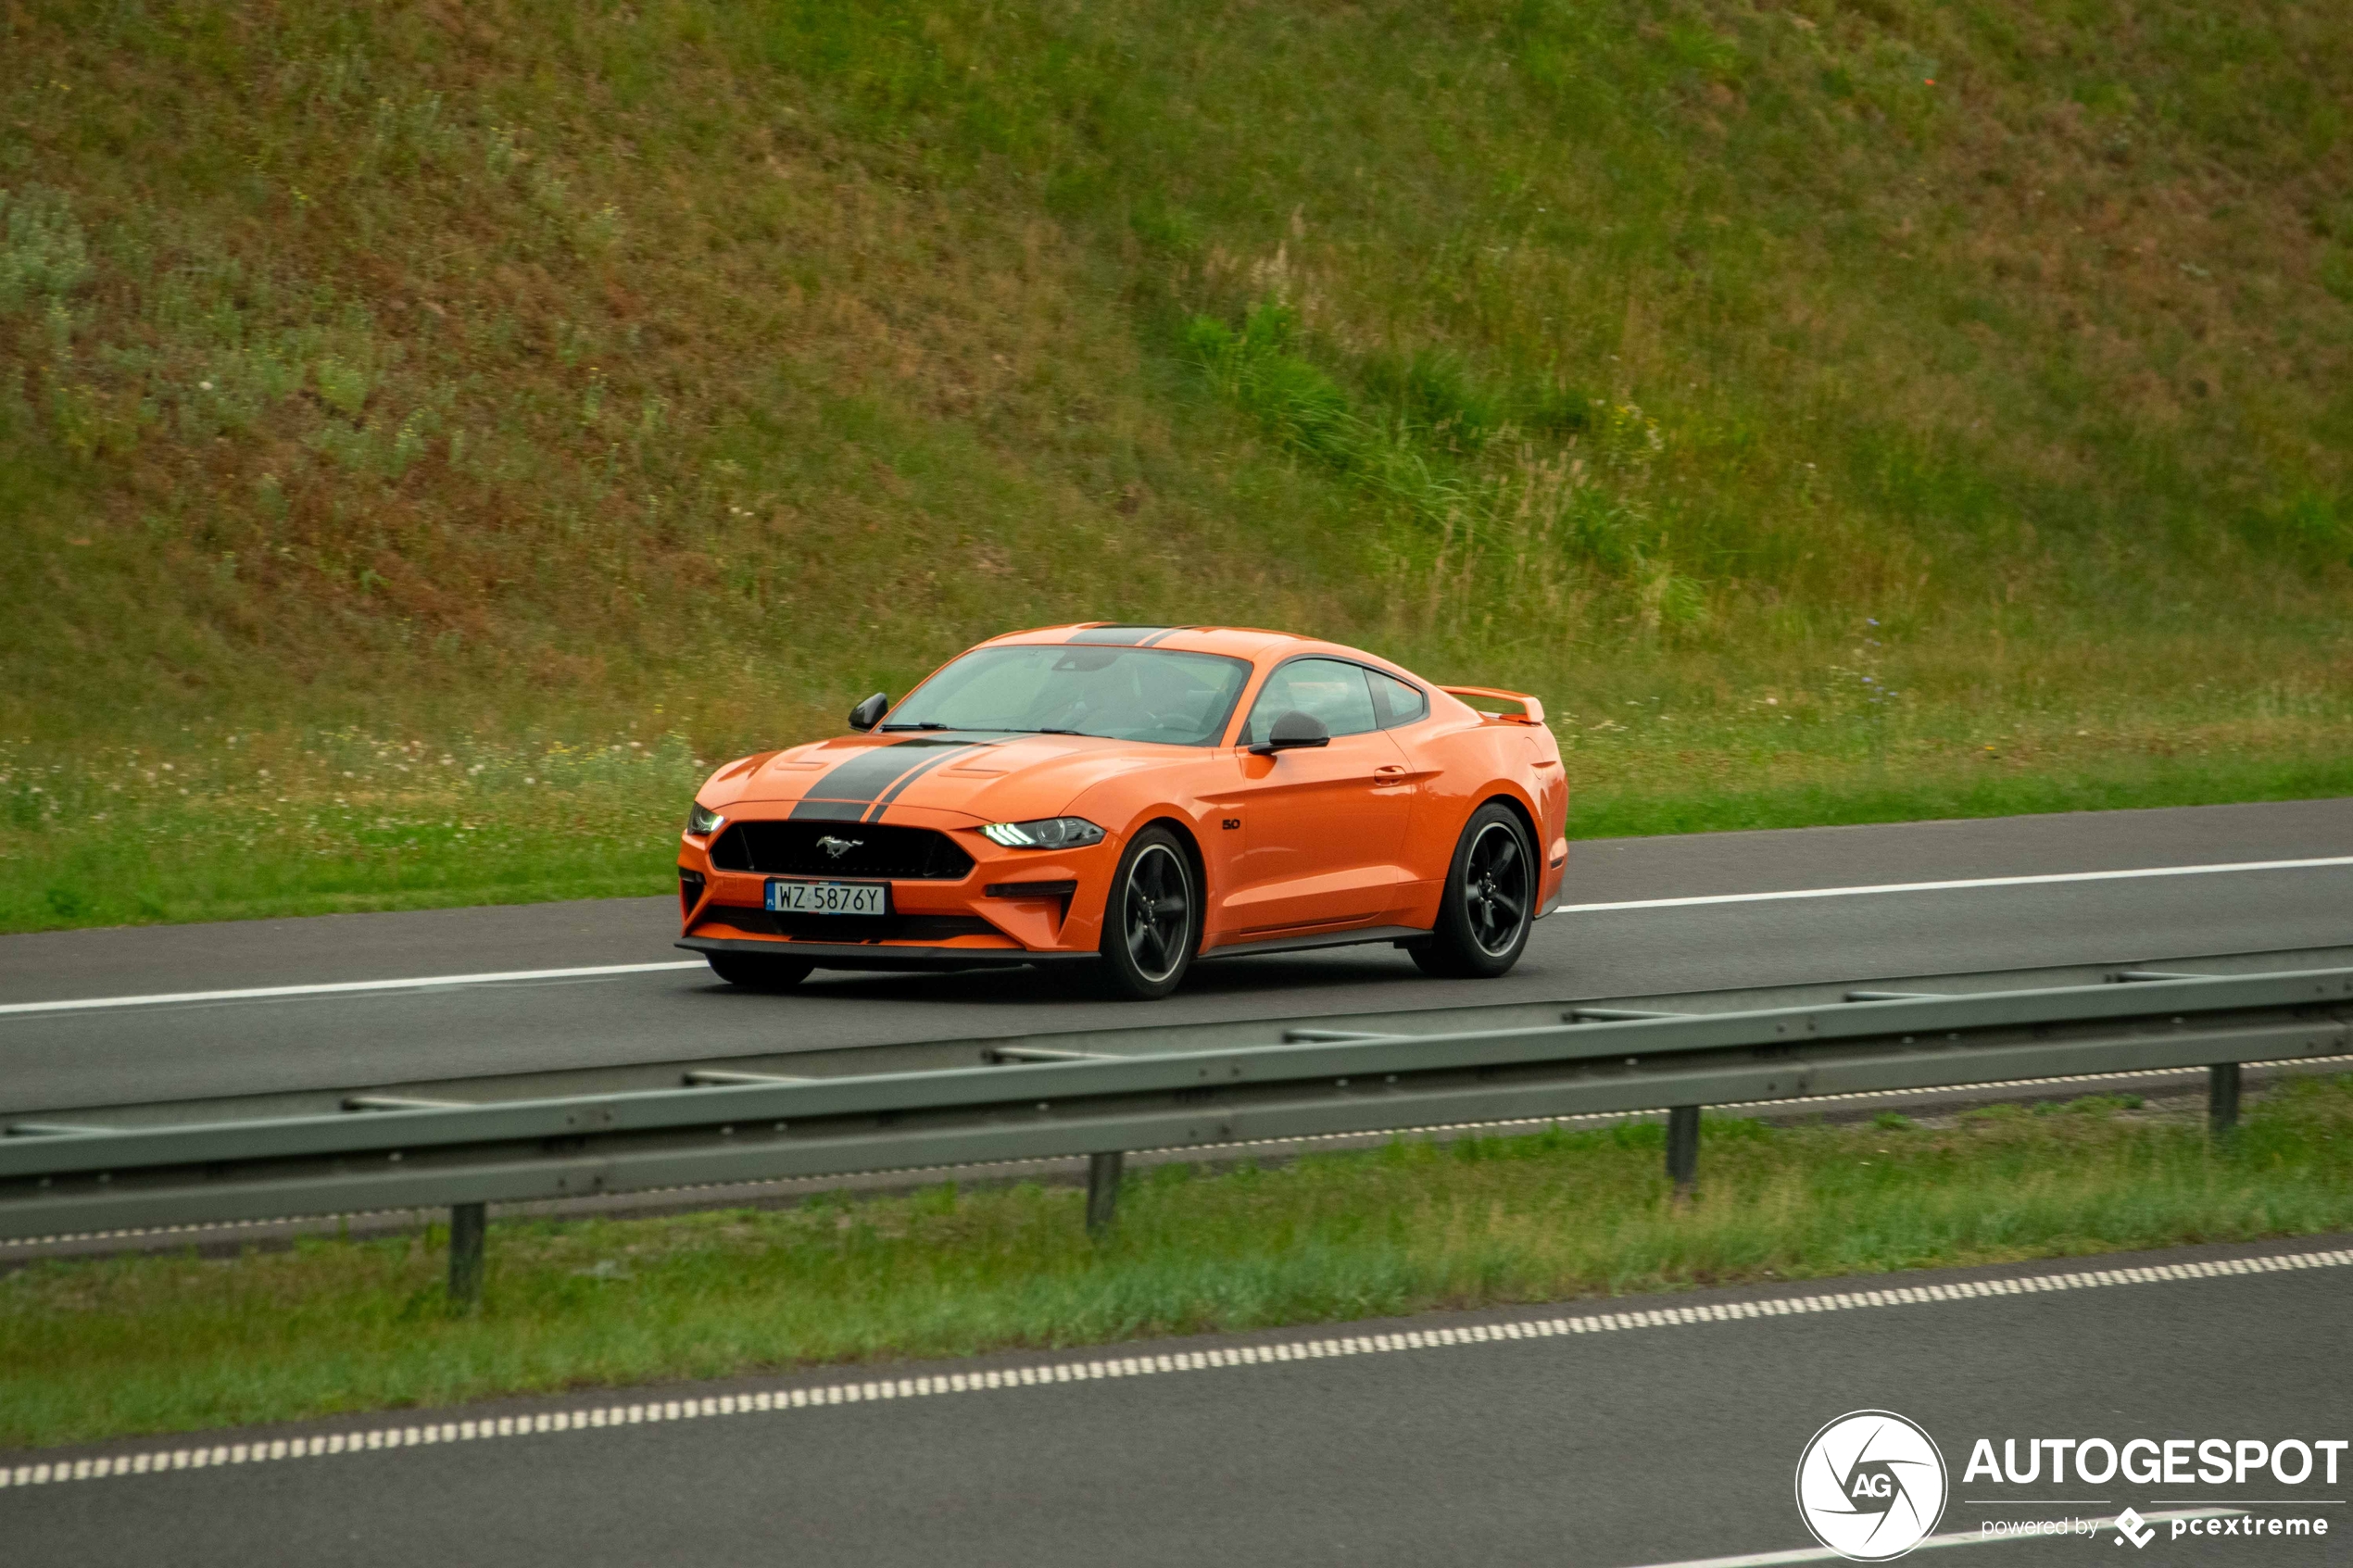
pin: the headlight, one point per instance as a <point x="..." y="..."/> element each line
<point x="702" y="821"/>
<point x="1046" y="833"/>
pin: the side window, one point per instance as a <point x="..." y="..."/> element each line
<point x="1397" y="702"/>
<point x="1332" y="691"/>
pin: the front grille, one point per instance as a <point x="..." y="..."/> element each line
<point x="789" y="848"/>
<point x="848" y="928"/>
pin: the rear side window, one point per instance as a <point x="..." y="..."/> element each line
<point x="1335" y="692"/>
<point x="1396" y="702"/>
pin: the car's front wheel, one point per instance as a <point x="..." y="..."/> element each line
<point x="1152" y="921"/>
<point x="757" y="972"/>
<point x="1483" y="916"/>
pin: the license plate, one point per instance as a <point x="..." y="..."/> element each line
<point x="829" y="897"/>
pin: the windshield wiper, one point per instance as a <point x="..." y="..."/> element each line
<point x="927" y="724"/>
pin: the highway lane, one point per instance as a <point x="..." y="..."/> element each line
<point x="58" y="1061"/>
<point x="1651" y="1443"/>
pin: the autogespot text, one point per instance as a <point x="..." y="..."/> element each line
<point x="2149" y="1463"/>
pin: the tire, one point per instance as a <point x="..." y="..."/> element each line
<point x="1483" y="915"/>
<point x="1151" y="919"/>
<point x="757" y="972"/>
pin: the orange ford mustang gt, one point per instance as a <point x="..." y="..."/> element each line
<point x="1136" y="798"/>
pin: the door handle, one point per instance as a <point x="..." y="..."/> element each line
<point x="1389" y="773"/>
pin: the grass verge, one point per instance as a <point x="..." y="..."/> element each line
<point x="254" y="824"/>
<point x="112" y="1348"/>
<point x="1827" y="408"/>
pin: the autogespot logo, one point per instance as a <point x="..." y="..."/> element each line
<point x="1872" y="1486"/>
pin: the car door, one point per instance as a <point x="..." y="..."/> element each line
<point x="1322" y="827"/>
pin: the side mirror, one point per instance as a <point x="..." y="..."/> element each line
<point x="1293" y="730"/>
<point x="869" y="713"/>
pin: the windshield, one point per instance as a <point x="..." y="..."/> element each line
<point x="1122" y="694"/>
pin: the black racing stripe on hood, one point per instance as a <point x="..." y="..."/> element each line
<point x="829" y="811"/>
<point x="855" y="783"/>
<point x="883" y="802"/>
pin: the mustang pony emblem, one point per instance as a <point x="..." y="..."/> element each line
<point x="836" y="848"/>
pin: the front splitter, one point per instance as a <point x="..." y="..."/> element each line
<point x="863" y="955"/>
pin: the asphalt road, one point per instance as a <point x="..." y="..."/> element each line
<point x="58" y="1060"/>
<point x="1649" y="1445"/>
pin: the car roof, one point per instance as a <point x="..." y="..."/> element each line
<point x="1252" y="643"/>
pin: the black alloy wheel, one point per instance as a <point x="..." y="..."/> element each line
<point x="758" y="971"/>
<point x="1152" y="920"/>
<point x="1485" y="912"/>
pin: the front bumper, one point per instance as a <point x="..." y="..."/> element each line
<point x="1013" y="907"/>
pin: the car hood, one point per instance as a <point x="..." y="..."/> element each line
<point x="986" y="777"/>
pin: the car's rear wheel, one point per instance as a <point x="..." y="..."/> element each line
<point x="1152" y="921"/>
<point x="1483" y="916"/>
<point x="757" y="972"/>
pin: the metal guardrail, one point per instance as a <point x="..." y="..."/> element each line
<point x="770" y="1040"/>
<point x="1043" y="1102"/>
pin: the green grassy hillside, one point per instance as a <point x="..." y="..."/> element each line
<point x="426" y="430"/>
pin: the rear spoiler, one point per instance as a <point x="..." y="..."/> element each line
<point x="1531" y="710"/>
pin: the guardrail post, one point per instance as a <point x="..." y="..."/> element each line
<point x="467" y="1223"/>
<point x="1102" y="1190"/>
<point x="2222" y="1099"/>
<point x="1682" y="1151"/>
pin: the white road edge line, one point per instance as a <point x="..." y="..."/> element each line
<point x="339" y="986"/>
<point x="1951" y="1537"/>
<point x="428" y="982"/>
<point x="149" y="1460"/>
<point x="1965" y="883"/>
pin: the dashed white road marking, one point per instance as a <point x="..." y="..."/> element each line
<point x="421" y="982"/>
<point x="1965" y="883"/>
<point x="84" y="1004"/>
<point x="1955" y="1538"/>
<point x="261" y="1451"/>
